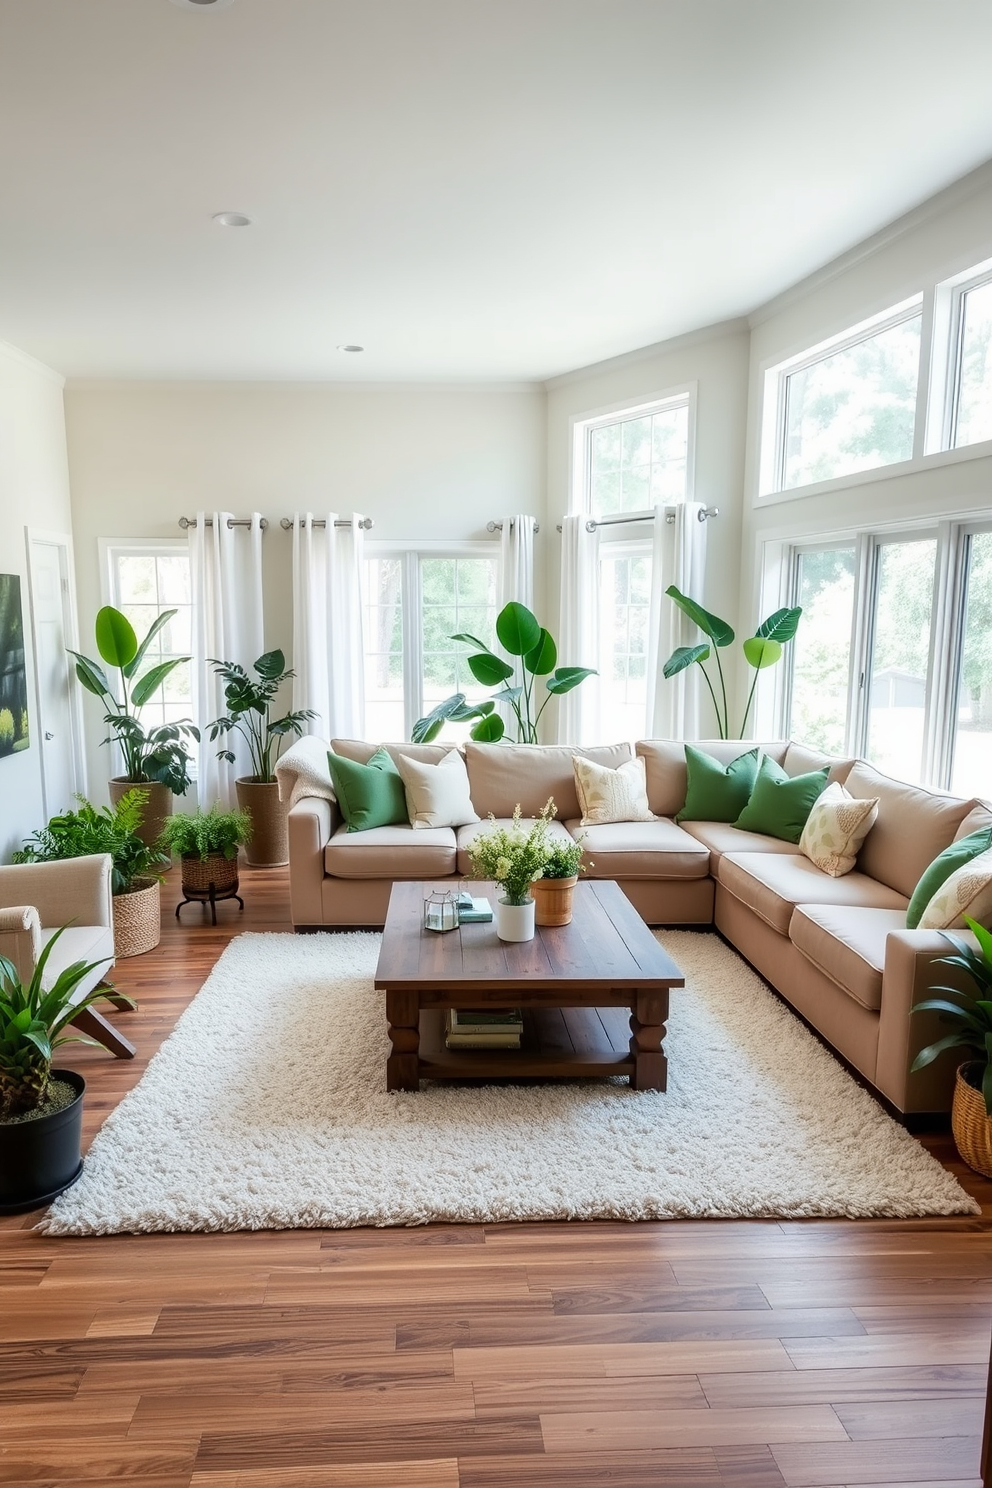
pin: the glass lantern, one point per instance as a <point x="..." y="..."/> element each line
<point x="440" y="910"/>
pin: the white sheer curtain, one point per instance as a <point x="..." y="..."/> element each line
<point x="578" y="630"/>
<point x="328" y="618"/>
<point x="226" y="580"/>
<point x="516" y="551"/>
<point x="679" y="558"/>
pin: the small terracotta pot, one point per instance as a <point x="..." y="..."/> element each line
<point x="137" y="918"/>
<point x="269" y="844"/>
<point x="157" y="806"/>
<point x="971" y="1126"/>
<point x="553" y="897"/>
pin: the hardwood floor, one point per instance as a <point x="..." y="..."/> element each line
<point x="762" y="1355"/>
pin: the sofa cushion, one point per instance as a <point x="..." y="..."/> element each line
<point x="465" y="835"/>
<point x="800" y="759"/>
<point x="607" y="795"/>
<point x="780" y="804"/>
<point x="772" y="884"/>
<point x="437" y="795"/>
<point x="836" y="828"/>
<point x="979" y="816"/>
<point x="502" y="776"/>
<point x="721" y="837"/>
<point x="369" y="795"/>
<point x="966" y="895"/>
<point x="914" y="826"/>
<point x="664" y="762"/>
<point x="847" y="943"/>
<point x="715" y="791"/>
<point x="391" y="852"/>
<point x="657" y="849"/>
<point x="947" y="863"/>
<point x="358" y="749"/>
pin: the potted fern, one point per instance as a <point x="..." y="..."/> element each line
<point x="41" y="1109"/>
<point x="136" y="874"/>
<point x="970" y="1020"/>
<point x="207" y="843"/>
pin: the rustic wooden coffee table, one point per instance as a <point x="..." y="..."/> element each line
<point x="594" y="994"/>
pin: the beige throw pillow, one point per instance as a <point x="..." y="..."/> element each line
<point x="835" y="829"/>
<point x="607" y="795"/>
<point x="968" y="891"/>
<point x="437" y="795"/>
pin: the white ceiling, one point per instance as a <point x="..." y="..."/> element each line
<point x="471" y="189"/>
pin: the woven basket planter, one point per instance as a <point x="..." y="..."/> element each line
<point x="269" y="845"/>
<point x="553" y="897"/>
<point x="199" y="873"/>
<point x="157" y="807"/>
<point x="138" y="919"/>
<point x="971" y="1126"/>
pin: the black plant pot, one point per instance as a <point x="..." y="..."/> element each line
<point x="41" y="1158"/>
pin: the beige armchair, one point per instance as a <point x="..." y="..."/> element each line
<point x="35" y="899"/>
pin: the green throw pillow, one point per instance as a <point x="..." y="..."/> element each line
<point x="940" y="870"/>
<point x="369" y="795"/>
<point x="780" y="803"/>
<point x="717" y="792"/>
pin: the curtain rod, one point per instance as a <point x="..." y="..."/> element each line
<point x="498" y="526"/>
<point x="185" y="522"/>
<point x="366" y="523"/>
<point x="593" y="522"/>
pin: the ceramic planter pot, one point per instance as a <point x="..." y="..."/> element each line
<point x="515" y="921"/>
<point x="553" y="898"/>
<point x="41" y="1158"/>
<point x="138" y="918"/>
<point x="269" y="845"/>
<point x="157" y="807"/>
<point x="971" y="1126"/>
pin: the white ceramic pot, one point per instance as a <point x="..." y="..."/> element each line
<point x="515" y="921"/>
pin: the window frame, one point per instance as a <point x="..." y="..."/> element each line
<point x="616" y="544"/>
<point x="411" y="551"/>
<point x="584" y="425"/>
<point x="946" y="384"/>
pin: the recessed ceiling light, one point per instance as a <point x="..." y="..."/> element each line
<point x="203" y="4"/>
<point x="231" y="219"/>
<point x="351" y="348"/>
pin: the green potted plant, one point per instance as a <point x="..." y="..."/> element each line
<point x="207" y="843"/>
<point x="156" y="758"/>
<point x="523" y="637"/>
<point x="41" y="1109"/>
<point x="136" y="874"/>
<point x="970" y="1019"/>
<point x="249" y="713"/>
<point x="513" y="857"/>
<point x="761" y="650"/>
<point x="552" y="892"/>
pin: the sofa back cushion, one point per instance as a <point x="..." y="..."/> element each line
<point x="502" y="776"/>
<point x="800" y="760"/>
<point x="914" y="826"/>
<point x="979" y="816"/>
<point x="664" y="760"/>
<point x="424" y="754"/>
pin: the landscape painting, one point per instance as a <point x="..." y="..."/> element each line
<point x="13" y="676"/>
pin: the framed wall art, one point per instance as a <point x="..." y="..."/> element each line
<point x="14" y="734"/>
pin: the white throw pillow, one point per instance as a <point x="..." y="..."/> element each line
<point x="437" y="795"/>
<point x="607" y="795"/>
<point x="835" y="829"/>
<point x="968" y="891"/>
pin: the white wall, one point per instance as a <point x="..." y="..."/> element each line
<point x="34" y="492"/>
<point x="423" y="462"/>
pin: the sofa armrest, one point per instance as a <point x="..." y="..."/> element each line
<point x="72" y="890"/>
<point x="312" y="823"/>
<point x="909" y="974"/>
<point x="20" y="938"/>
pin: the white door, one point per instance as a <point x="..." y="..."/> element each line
<point x="51" y="629"/>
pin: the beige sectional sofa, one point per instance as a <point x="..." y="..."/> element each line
<point x="836" y="948"/>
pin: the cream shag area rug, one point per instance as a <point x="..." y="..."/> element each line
<point x="266" y="1109"/>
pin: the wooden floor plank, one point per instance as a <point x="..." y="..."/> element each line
<point x="615" y="1431"/>
<point x="907" y="1462"/>
<point x="439" y="1473"/>
<point x="839" y="1386"/>
<point x="964" y="1346"/>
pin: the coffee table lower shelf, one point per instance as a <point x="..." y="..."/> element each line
<point x="557" y="1043"/>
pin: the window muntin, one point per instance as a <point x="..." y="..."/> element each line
<point x="637" y="459"/>
<point x="971" y="419"/>
<point x="624" y="610"/>
<point x="971" y="769"/>
<point x="144" y="581"/>
<point x="821" y="650"/>
<point x="899" y="670"/>
<point x="853" y="408"/>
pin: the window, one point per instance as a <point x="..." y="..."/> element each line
<point x="634" y="459"/>
<point x="415" y="602"/>
<point x="971" y="405"/>
<point x="899" y="656"/>
<point x="625" y="604"/>
<point x="971" y="773"/>
<point x="821" y="651"/>
<point x="144" y="580"/>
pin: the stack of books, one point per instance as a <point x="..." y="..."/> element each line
<point x="487" y="1028"/>
<point x="471" y="910"/>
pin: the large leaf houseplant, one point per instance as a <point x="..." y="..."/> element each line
<point x="250" y="701"/>
<point x="525" y="685"/>
<point x="761" y="650"/>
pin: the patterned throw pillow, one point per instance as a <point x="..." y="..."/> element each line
<point x="607" y="795"/>
<point x="968" y="891"/>
<point x="835" y="829"/>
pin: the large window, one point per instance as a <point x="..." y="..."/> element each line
<point x="415" y="602"/>
<point x="893" y="656"/>
<point x="624" y="607"/>
<point x="971" y="401"/>
<point x="144" y="580"/>
<point x="633" y="459"/>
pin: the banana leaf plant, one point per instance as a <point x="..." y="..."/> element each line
<point x="970" y="1016"/>
<point x="149" y="754"/>
<point x="524" y="638"/>
<point x="761" y="650"/>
